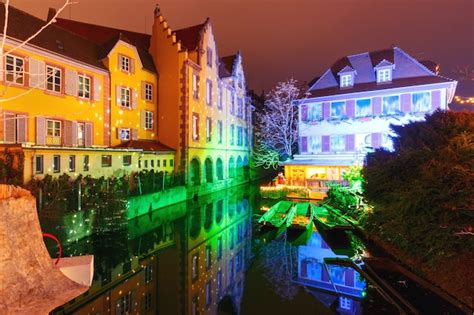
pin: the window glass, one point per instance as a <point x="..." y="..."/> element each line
<point x="53" y="80"/>
<point x="421" y="102"/>
<point x="84" y="86"/>
<point x="337" y="109"/>
<point x="338" y="143"/>
<point x="390" y="105"/>
<point x="363" y="108"/>
<point x="124" y="134"/>
<point x="315" y="144"/>
<point x="14" y="69"/>
<point x="315" y="112"/>
<point x="56" y="163"/>
<point x="106" y="160"/>
<point x="39" y="164"/>
<point x="127" y="160"/>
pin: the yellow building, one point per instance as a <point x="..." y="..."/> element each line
<point x="59" y="103"/>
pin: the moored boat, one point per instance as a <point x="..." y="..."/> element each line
<point x="278" y="214"/>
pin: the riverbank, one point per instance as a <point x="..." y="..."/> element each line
<point x="451" y="275"/>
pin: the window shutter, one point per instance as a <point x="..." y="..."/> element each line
<point x="40" y="131"/>
<point x="89" y="136"/>
<point x="376" y="140"/>
<point x="326" y="143"/>
<point x="132" y="65"/>
<point x="326" y="110"/>
<point x="9" y="134"/>
<point x="97" y="88"/>
<point x="119" y="65"/>
<point x="143" y="86"/>
<point x="143" y="118"/>
<point x="2" y="68"/>
<point x="71" y="82"/>
<point x="34" y="72"/>
<point x="350" y="108"/>
<point x="377" y="106"/>
<point x="405" y="101"/>
<point x="134" y="134"/>
<point x="435" y="99"/>
<point x="67" y="139"/>
<point x="304" y="113"/>
<point x="349" y="277"/>
<point x="74" y="133"/>
<point x="118" y="90"/>
<point x="350" y="143"/>
<point x="304" y="144"/>
<point x="22" y="127"/>
<point x="197" y="127"/>
<point x="134" y="98"/>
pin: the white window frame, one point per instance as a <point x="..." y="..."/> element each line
<point x="148" y="120"/>
<point x="51" y="76"/>
<point x="125" y="63"/>
<point x="195" y="126"/>
<point x="16" y="72"/>
<point x="209" y="57"/>
<point x="346" y="80"/>
<point x="384" y="75"/>
<point x="125" y="97"/>
<point x="208" y="129"/>
<point x="219" y="131"/>
<point x="84" y="87"/>
<point x="124" y="134"/>
<point x="54" y="132"/>
<point x="148" y="92"/>
<point x="209" y="92"/>
<point x="195" y="86"/>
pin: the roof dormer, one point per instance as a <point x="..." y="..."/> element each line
<point x="346" y="77"/>
<point x="384" y="71"/>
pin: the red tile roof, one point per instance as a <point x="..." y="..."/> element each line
<point x="226" y="66"/>
<point x="189" y="36"/>
<point x="22" y="25"/>
<point x="145" y="145"/>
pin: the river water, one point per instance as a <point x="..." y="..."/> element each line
<point x="209" y="256"/>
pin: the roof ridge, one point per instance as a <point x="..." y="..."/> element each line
<point x="99" y="25"/>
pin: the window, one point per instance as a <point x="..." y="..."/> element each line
<point x="346" y="80"/>
<point x="127" y="160"/>
<point x="124" y="62"/>
<point x="338" y="143"/>
<point x="246" y="137"/>
<point x="337" y="109"/>
<point x="148" y="301"/>
<point x="384" y="75"/>
<point x="53" y="81"/>
<point x="72" y="163"/>
<point x="146" y="163"/>
<point x="232" y="134"/>
<point x="148" y="274"/>
<point x="85" y="163"/>
<point x="106" y="161"/>
<point x="149" y="92"/>
<point x="124" y="134"/>
<point x="219" y="104"/>
<point x="124" y="304"/>
<point x="195" y="86"/>
<point x="208" y="257"/>
<point x="232" y="102"/>
<point x="80" y="134"/>
<point x="171" y="162"/>
<point x="148" y="120"/>
<point x="139" y="163"/>
<point x="84" y="86"/>
<point x="125" y="97"/>
<point x="390" y="105"/>
<point x="219" y="131"/>
<point x="315" y="112"/>
<point x="239" y="136"/>
<point x="208" y="129"/>
<point x="241" y="80"/>
<point x="363" y="108"/>
<point x="14" y="67"/>
<point x="209" y="92"/>
<point x="231" y="242"/>
<point x="231" y="270"/>
<point x="240" y="107"/>
<point x="219" y="282"/>
<point x="208" y="293"/>
<point x="421" y="102"/>
<point x="164" y="163"/>
<point x="152" y="163"/>
<point x="53" y="132"/>
<point x="195" y="126"/>
<point x="219" y="248"/>
<point x="315" y="144"/>
<point x="158" y="163"/>
<point x="56" y="163"/>
<point x="195" y="267"/>
<point x="39" y="160"/>
<point x="209" y="57"/>
<point x="239" y="261"/>
<point x="345" y="303"/>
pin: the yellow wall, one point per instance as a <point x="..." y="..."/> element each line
<point x="40" y="102"/>
<point x="122" y="117"/>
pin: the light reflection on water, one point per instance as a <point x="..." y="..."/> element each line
<point x="208" y="257"/>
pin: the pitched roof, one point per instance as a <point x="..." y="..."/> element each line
<point x="226" y="66"/>
<point x="189" y="36"/>
<point x="107" y="37"/>
<point x="145" y="145"/>
<point x="407" y="71"/>
<point x="22" y="25"/>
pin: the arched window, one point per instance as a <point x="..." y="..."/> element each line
<point x="219" y="169"/>
<point x="231" y="167"/>
<point x="208" y="168"/>
<point x="195" y="172"/>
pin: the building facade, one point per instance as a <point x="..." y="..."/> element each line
<point x="350" y="108"/>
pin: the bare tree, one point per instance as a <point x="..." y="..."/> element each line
<point x="277" y="135"/>
<point x="18" y="73"/>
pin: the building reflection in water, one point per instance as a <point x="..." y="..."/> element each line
<point x="185" y="259"/>
<point x="346" y="283"/>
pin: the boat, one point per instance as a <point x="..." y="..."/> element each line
<point x="303" y="216"/>
<point x="277" y="216"/>
<point x="331" y="223"/>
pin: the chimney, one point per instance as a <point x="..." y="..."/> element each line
<point x="51" y="14"/>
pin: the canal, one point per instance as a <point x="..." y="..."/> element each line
<point x="209" y="256"/>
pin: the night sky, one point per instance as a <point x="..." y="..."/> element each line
<point x="280" y="39"/>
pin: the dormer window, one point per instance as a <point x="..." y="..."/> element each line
<point x="384" y="75"/>
<point x="346" y="80"/>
